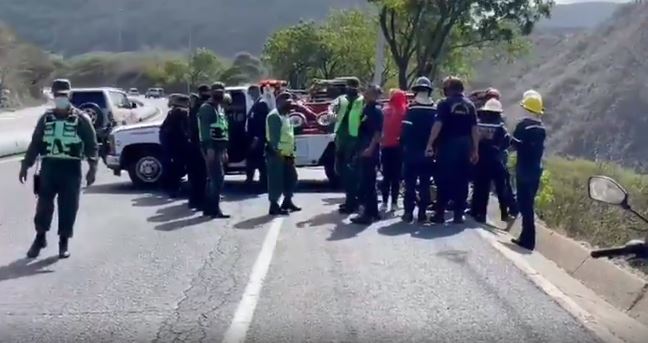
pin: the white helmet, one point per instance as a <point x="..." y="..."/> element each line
<point x="492" y="105"/>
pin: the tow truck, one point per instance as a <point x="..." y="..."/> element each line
<point x="137" y="150"/>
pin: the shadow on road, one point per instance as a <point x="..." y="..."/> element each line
<point x="516" y="248"/>
<point x="26" y="267"/>
<point x="344" y="231"/>
<point x="174" y="212"/>
<point x="182" y="224"/>
<point x="254" y="223"/>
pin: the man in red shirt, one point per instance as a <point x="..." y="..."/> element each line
<point x="391" y="154"/>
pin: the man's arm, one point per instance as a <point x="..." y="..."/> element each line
<point x="35" y="145"/>
<point x="274" y="131"/>
<point x="206" y="117"/>
<point x="89" y="137"/>
<point x="378" y="125"/>
<point x="443" y="111"/>
<point x="517" y="139"/>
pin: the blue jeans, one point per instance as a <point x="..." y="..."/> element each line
<point x="528" y="183"/>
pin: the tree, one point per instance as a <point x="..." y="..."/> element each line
<point x="204" y="67"/>
<point x="422" y="34"/>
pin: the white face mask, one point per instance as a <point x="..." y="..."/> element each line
<point x="422" y="98"/>
<point x="61" y="102"/>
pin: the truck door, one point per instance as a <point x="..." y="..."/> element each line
<point x="237" y="116"/>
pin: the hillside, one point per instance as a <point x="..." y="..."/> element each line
<point x="72" y="27"/>
<point x="594" y="85"/>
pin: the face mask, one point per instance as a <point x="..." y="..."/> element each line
<point x="352" y="92"/>
<point x="218" y="97"/>
<point x="61" y="103"/>
<point x="422" y="98"/>
<point x="204" y="96"/>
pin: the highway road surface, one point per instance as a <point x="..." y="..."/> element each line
<point x="144" y="268"/>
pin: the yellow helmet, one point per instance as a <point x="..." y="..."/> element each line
<point x="532" y="102"/>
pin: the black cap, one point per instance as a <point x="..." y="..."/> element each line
<point x="217" y="86"/>
<point x="203" y="88"/>
<point x="179" y="99"/>
<point x="61" y="86"/>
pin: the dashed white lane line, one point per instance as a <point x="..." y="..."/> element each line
<point x="237" y="331"/>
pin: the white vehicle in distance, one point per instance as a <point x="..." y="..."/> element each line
<point x="137" y="150"/>
<point x="154" y="93"/>
<point x="133" y="92"/>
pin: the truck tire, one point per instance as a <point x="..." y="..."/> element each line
<point x="146" y="169"/>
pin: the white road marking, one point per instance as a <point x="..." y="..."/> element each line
<point x="551" y="290"/>
<point x="245" y="310"/>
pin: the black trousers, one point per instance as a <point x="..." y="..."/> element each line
<point x="392" y="167"/>
<point x="418" y="170"/>
<point x="197" y="172"/>
<point x="527" y="184"/>
<point x="256" y="161"/>
<point x="368" y="195"/>
<point x="175" y="163"/>
<point x="59" y="179"/>
<point x="452" y="175"/>
<point x="489" y="171"/>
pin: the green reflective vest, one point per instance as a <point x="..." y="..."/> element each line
<point x="355" y="115"/>
<point x="219" y="129"/>
<point x="286" y="144"/>
<point x="60" y="138"/>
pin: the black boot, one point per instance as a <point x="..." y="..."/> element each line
<point x="63" y="248"/>
<point x="275" y="210"/>
<point x="348" y="209"/>
<point x="519" y="243"/>
<point x="363" y="219"/>
<point x="218" y="214"/>
<point x="407" y="217"/>
<point x="288" y="205"/>
<point x="439" y="218"/>
<point x="459" y="218"/>
<point x="422" y="217"/>
<point x="40" y="242"/>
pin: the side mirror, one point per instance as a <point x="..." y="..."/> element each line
<point x="607" y="190"/>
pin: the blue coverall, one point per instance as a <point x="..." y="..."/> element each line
<point x="528" y="139"/>
<point x="417" y="167"/>
<point x="458" y="116"/>
<point x="494" y="138"/>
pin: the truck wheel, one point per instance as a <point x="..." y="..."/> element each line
<point x="331" y="175"/>
<point x="147" y="169"/>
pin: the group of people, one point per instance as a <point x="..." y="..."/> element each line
<point x="451" y="143"/>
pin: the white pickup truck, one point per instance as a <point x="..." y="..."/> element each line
<point x="136" y="148"/>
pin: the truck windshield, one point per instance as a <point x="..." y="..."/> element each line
<point x="96" y="97"/>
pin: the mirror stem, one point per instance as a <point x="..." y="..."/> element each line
<point x="637" y="214"/>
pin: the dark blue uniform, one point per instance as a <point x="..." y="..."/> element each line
<point x="458" y="116"/>
<point x="256" y="128"/>
<point x="494" y="139"/>
<point x="528" y="139"/>
<point x="417" y="167"/>
<point x="372" y="122"/>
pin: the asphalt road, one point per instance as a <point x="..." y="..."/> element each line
<point x="146" y="269"/>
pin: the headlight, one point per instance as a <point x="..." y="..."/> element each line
<point x="297" y="120"/>
<point x="325" y="119"/>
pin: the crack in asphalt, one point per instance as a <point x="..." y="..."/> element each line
<point x="205" y="295"/>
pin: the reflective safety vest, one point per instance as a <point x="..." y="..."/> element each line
<point x="60" y="138"/>
<point x="219" y="129"/>
<point x="355" y="115"/>
<point x="286" y="144"/>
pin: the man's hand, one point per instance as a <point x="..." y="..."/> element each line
<point x="22" y="176"/>
<point x="91" y="176"/>
<point x="474" y="157"/>
<point x="368" y="152"/>
<point x="429" y="152"/>
<point x="225" y="157"/>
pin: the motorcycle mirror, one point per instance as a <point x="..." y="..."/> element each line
<point x="607" y="190"/>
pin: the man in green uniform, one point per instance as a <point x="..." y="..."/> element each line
<point x="280" y="157"/>
<point x="214" y="137"/>
<point x="348" y="109"/>
<point x="62" y="137"/>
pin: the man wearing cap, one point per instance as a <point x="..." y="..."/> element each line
<point x="369" y="135"/>
<point x="529" y="139"/>
<point x="175" y="142"/>
<point x="62" y="138"/>
<point x="256" y="129"/>
<point x="454" y="141"/>
<point x="348" y="109"/>
<point x="493" y="139"/>
<point x="280" y="157"/>
<point x="196" y="170"/>
<point x="214" y="138"/>
<point x="418" y="167"/>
